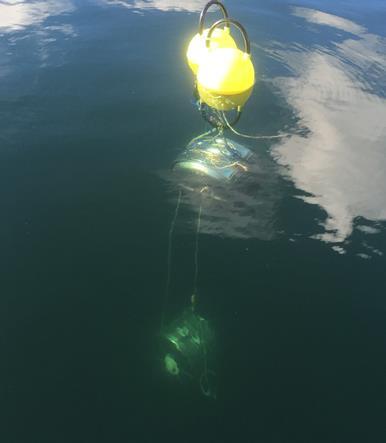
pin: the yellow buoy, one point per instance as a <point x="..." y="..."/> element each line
<point x="226" y="76"/>
<point x="220" y="38"/>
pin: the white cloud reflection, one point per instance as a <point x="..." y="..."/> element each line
<point x="162" y="5"/>
<point x="31" y="17"/>
<point x="16" y="15"/>
<point x="339" y="96"/>
<point x="322" y="18"/>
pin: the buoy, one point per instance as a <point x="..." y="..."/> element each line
<point x="220" y="38"/>
<point x="226" y="76"/>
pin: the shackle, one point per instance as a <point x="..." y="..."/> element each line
<point x="205" y="10"/>
<point x="239" y="26"/>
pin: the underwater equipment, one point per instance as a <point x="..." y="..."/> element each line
<point x="222" y="173"/>
<point x="221" y="38"/>
<point x="226" y="76"/>
<point x="187" y="342"/>
<point x="171" y="365"/>
<point x="214" y="156"/>
<point x="188" y="345"/>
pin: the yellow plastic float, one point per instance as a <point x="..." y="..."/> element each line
<point x="220" y="38"/>
<point x="225" y="75"/>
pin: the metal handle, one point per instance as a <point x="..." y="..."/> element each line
<point x="218" y="123"/>
<point x="205" y="10"/>
<point x="238" y="25"/>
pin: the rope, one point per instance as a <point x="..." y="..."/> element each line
<point x="203" y="135"/>
<point x="204" y="381"/>
<point x="256" y="137"/>
<point x="169" y="257"/>
<point x="196" y="246"/>
<point x="243" y="167"/>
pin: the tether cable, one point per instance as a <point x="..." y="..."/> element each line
<point x="196" y="247"/>
<point x="256" y="137"/>
<point x="169" y="257"/>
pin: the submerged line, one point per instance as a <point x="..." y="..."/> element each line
<point x="256" y="137"/>
<point x="196" y="246"/>
<point x="169" y="257"/>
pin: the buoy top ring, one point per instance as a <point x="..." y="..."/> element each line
<point x="205" y="10"/>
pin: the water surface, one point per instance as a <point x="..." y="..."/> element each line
<point x="95" y="105"/>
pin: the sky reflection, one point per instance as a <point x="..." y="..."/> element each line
<point x="161" y="5"/>
<point x="16" y="15"/>
<point x="25" y="23"/>
<point x="339" y="95"/>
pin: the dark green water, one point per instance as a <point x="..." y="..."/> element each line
<point x="95" y="104"/>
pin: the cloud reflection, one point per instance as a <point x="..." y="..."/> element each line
<point x="31" y="17"/>
<point x="322" y="18"/>
<point x="339" y="95"/>
<point x="17" y="15"/>
<point x="162" y="5"/>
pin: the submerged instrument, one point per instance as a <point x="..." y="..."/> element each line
<point x="224" y="79"/>
<point x="214" y="156"/>
<point x="188" y="347"/>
